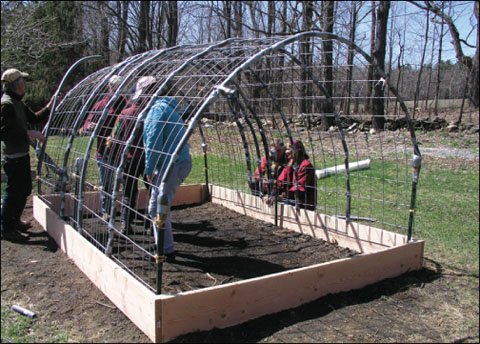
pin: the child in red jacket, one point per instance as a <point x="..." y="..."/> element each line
<point x="296" y="184"/>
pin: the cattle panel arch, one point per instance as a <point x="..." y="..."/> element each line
<point x="236" y="97"/>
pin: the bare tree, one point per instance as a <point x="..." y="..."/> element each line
<point x="306" y="58"/>
<point x="430" y="73"/>
<point x="24" y="37"/>
<point x="373" y="27"/>
<point x="353" y="27"/>
<point x="440" y="46"/>
<point x="378" y="110"/>
<point x="104" y="31"/>
<point x="469" y="62"/>
<point x="238" y="14"/>
<point x="420" y="70"/>
<point x="122" y="16"/>
<point x="253" y="17"/>
<point x="144" y="32"/>
<point x="227" y="16"/>
<point x="172" y="22"/>
<point x="328" y="20"/>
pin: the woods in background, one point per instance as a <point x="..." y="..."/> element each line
<point x="408" y="39"/>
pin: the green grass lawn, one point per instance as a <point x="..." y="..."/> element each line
<point x="18" y="329"/>
<point x="448" y="216"/>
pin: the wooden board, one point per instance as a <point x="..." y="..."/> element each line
<point x="164" y="317"/>
<point x="134" y="299"/>
<point x="356" y="236"/>
<point x="234" y="303"/>
<point x="187" y="194"/>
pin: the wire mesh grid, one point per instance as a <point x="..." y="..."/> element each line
<point x="288" y="119"/>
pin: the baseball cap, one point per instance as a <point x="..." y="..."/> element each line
<point x="143" y="83"/>
<point x="12" y="74"/>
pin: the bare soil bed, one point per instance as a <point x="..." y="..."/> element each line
<point x="420" y="306"/>
<point x="215" y="245"/>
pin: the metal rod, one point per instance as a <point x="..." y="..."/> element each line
<point x="46" y="130"/>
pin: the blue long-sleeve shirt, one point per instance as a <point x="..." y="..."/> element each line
<point x="163" y="130"/>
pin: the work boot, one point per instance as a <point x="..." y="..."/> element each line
<point x="22" y="226"/>
<point x="14" y="236"/>
<point x="170" y="257"/>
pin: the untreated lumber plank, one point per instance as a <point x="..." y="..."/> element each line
<point x="135" y="300"/>
<point x="186" y="194"/>
<point x="164" y="317"/>
<point x="358" y="237"/>
<point x="234" y="303"/>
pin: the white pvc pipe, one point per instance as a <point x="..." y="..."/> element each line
<point x="359" y="165"/>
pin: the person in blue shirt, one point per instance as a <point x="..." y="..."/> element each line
<point x="163" y="130"/>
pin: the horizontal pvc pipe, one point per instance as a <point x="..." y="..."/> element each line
<point x="353" y="166"/>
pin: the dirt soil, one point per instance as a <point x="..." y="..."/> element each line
<point x="421" y="306"/>
<point x="215" y="245"/>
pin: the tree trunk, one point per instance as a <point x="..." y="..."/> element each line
<point x="227" y="15"/>
<point x="143" y="26"/>
<point x="399" y="68"/>
<point x="373" y="27"/>
<point x="440" y="47"/>
<point x="427" y="96"/>
<point x="353" y="27"/>
<point x="420" y="71"/>
<point x="306" y="58"/>
<point x="122" y="16"/>
<point x="253" y="17"/>
<point x="104" y="32"/>
<point x="172" y="20"/>
<point x="271" y="18"/>
<point x="474" y="84"/>
<point x="238" y="12"/>
<point x="327" y="57"/>
<point x="378" y="111"/>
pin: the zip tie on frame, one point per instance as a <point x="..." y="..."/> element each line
<point x="381" y="81"/>
<point x="416" y="164"/>
<point x="228" y="92"/>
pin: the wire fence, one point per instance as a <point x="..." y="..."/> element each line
<point x="265" y="117"/>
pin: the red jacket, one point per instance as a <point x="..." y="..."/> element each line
<point x="304" y="183"/>
<point x="122" y="130"/>
<point x="108" y="124"/>
<point x="263" y="167"/>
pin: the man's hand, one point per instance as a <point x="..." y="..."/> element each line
<point x="50" y="103"/>
<point x="36" y="135"/>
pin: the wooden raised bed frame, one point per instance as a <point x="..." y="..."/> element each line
<point x="163" y="317"/>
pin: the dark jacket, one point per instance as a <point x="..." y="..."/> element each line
<point x="15" y="120"/>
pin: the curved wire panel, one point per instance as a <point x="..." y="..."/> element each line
<point x="235" y="99"/>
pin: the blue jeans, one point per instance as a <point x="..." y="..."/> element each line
<point x="178" y="174"/>
<point x="17" y="190"/>
<point x="106" y="175"/>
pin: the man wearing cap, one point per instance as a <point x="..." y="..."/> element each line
<point x="15" y="137"/>
<point x="104" y="165"/>
<point x="134" y="165"/>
